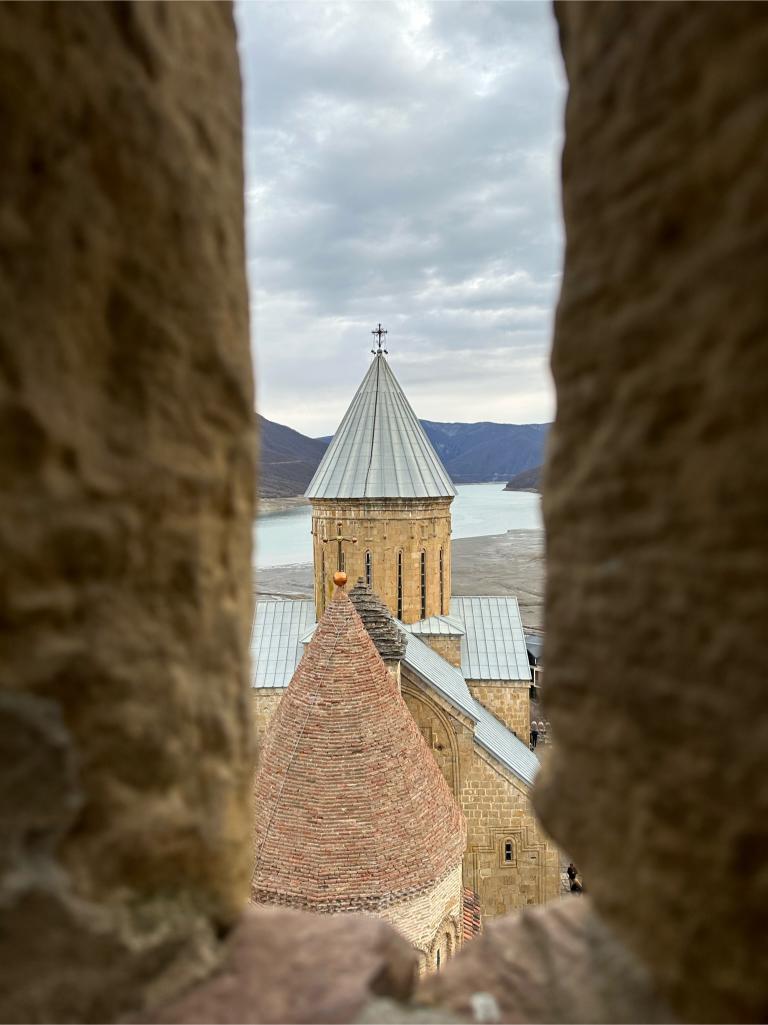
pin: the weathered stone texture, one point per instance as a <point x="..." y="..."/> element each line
<point x="285" y="966"/>
<point x="431" y="921"/>
<point x="126" y="465"/>
<point x="509" y="702"/>
<point x="264" y="702"/>
<point x="556" y="964"/>
<point x="655" y="493"/>
<point x="448" y="648"/>
<point x="385" y="527"/>
<point x="497" y="807"/>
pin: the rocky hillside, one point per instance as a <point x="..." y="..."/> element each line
<point x="528" y="480"/>
<point x="288" y="460"/>
<point x="487" y="451"/>
<point x="471" y="453"/>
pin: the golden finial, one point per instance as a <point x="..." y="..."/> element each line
<point x="339" y="578"/>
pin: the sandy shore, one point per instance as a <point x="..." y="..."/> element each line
<point x="511" y="563"/>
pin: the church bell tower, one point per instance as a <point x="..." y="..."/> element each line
<point x="381" y="502"/>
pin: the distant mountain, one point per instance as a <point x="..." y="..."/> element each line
<point x="471" y="453"/>
<point x="288" y="460"/>
<point x="528" y="480"/>
<point x="487" y="451"/>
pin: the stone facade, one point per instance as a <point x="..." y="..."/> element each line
<point x="431" y="921"/>
<point x="264" y="702"/>
<point x="447" y="647"/>
<point x="508" y="701"/>
<point x="387" y="529"/>
<point x="497" y="807"/>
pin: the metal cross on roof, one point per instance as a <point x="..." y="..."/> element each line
<point x="379" y="332"/>
<point x="338" y="539"/>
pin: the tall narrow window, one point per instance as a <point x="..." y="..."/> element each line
<point x="509" y="852"/>
<point x="342" y="560"/>
<point x="368" y="569"/>
<point x="399" y="585"/>
<point x="423" y="585"/>
<point x="322" y="580"/>
<point x="442" y="584"/>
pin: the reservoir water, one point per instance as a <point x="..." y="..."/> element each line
<point x="478" y="510"/>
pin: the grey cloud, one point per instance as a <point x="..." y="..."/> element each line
<point x="402" y="165"/>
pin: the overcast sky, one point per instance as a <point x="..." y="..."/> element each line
<point x="402" y="166"/>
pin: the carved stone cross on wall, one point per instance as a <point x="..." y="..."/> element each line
<point x="338" y="539"/>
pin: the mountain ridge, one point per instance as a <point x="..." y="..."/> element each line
<point x="472" y="453"/>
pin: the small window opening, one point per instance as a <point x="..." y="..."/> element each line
<point x="399" y="585"/>
<point x="423" y="585"/>
<point x="508" y="851"/>
<point x="322" y="580"/>
<point x="438" y="960"/>
<point x="342" y="561"/>
<point x="368" y="569"/>
<point x="442" y="585"/>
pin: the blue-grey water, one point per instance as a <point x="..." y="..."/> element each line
<point x="478" y="509"/>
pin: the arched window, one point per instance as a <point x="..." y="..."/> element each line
<point x="442" y="583"/>
<point x="399" y="585"/>
<point x="508" y="852"/>
<point x="369" y="568"/>
<point x="423" y="584"/>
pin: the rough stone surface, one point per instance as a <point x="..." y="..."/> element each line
<point x="384" y="528"/>
<point x="554" y="964"/>
<point x="126" y="469"/>
<point x="289" y="966"/>
<point x="655" y="493"/>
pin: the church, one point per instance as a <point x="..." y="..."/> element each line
<point x="457" y="667"/>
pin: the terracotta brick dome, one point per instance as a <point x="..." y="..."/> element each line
<point x="352" y="811"/>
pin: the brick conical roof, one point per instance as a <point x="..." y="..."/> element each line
<point x="352" y="811"/>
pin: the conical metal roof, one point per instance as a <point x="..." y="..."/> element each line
<point x="380" y="449"/>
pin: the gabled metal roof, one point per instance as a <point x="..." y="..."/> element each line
<point x="442" y="626"/>
<point x="280" y="629"/>
<point x="493" y="647"/>
<point x="380" y="449"/>
<point x="276" y="646"/>
<point x="490" y="732"/>
<point x="444" y="677"/>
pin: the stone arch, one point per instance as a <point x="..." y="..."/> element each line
<point x="445" y="943"/>
<point x="437" y="729"/>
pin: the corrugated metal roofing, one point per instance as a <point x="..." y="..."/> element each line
<point x="279" y="627"/>
<point x="380" y="449"/>
<point x="276" y="647"/>
<point x="490" y="732"/>
<point x="493" y="647"/>
<point x="444" y="626"/>
<point x="444" y="677"/>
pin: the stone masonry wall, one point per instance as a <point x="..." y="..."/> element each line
<point x="509" y="702"/>
<point x="384" y="528"/>
<point x="656" y="490"/>
<point x="423" y="918"/>
<point x="446" y="647"/>
<point x="127" y="468"/>
<point x="264" y="702"/>
<point x="497" y="807"/>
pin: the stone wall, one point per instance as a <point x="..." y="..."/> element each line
<point x="384" y="528"/>
<point x="127" y="464"/>
<point x="426" y="918"/>
<point x="508" y="701"/>
<point x="446" y="647"/>
<point x="264" y="702"/>
<point x="656" y="489"/>
<point x="496" y="805"/>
